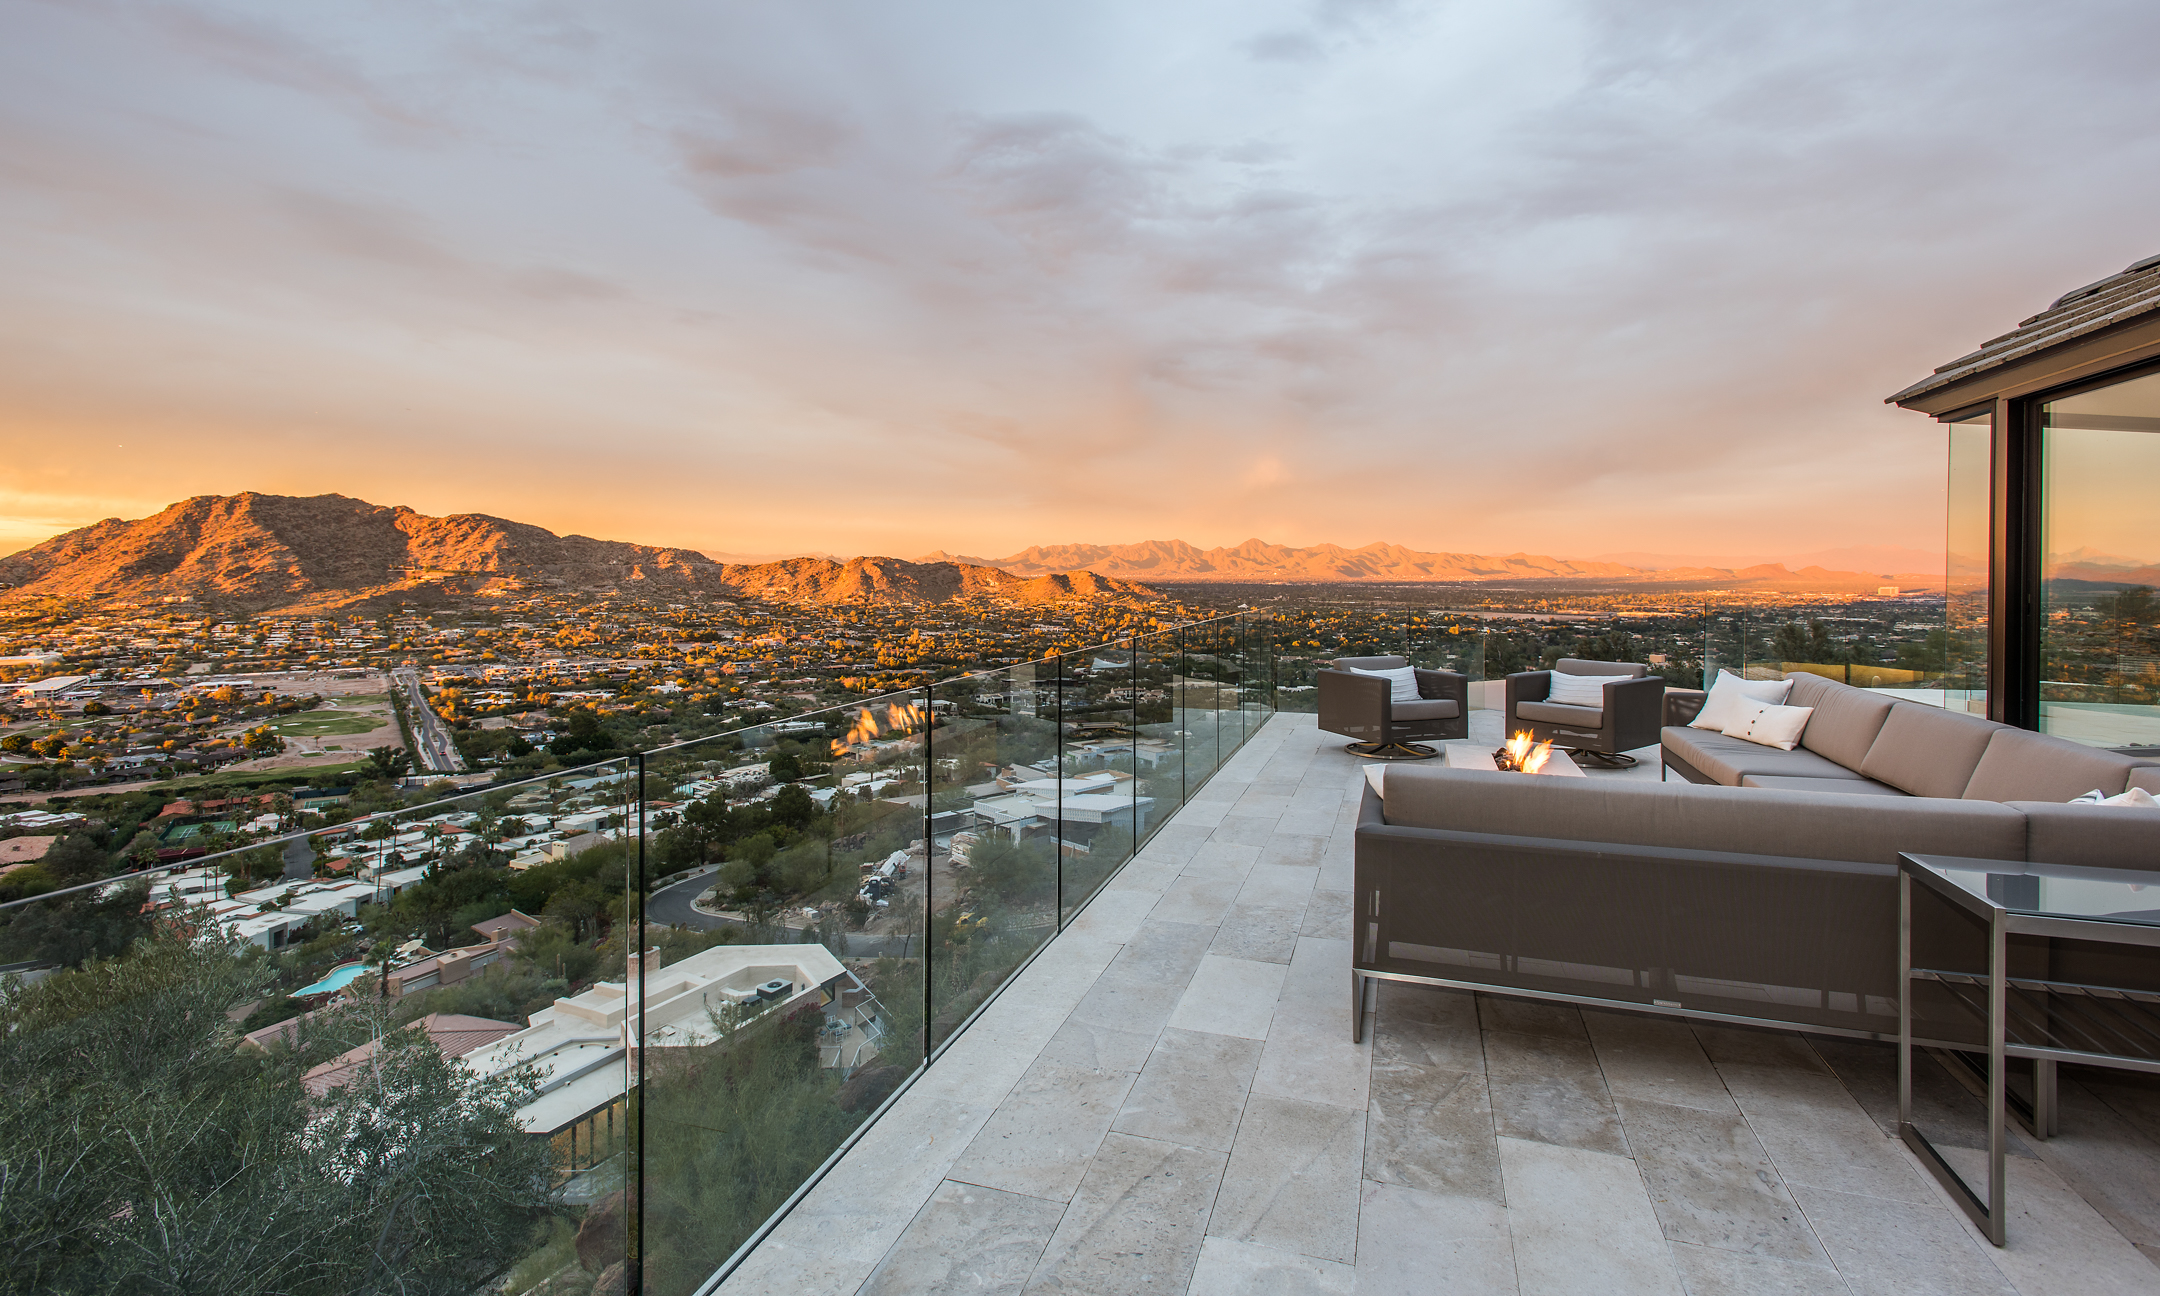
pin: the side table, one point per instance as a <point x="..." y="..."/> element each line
<point x="2045" y="1020"/>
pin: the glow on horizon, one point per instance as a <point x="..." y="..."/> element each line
<point x="1570" y="278"/>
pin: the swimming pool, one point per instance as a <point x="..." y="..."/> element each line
<point x="338" y="978"/>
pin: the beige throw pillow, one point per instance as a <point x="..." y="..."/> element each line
<point x="1729" y="693"/>
<point x="1770" y="724"/>
<point x="1402" y="682"/>
<point x="2135" y="797"/>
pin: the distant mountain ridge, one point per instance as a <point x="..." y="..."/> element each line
<point x="1259" y="560"/>
<point x="295" y="553"/>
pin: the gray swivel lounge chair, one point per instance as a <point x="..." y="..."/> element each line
<point x="1631" y="717"/>
<point x="1359" y="707"/>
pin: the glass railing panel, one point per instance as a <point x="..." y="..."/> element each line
<point x="1895" y="644"/>
<point x="1230" y="636"/>
<point x="997" y="741"/>
<point x="1259" y="692"/>
<point x="1101" y="814"/>
<point x="1159" y="749"/>
<point x="780" y="994"/>
<point x="1201" y="698"/>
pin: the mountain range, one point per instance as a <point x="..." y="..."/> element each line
<point x="1260" y="561"/>
<point x="295" y="554"/>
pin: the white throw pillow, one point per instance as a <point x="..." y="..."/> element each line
<point x="2137" y="797"/>
<point x="1728" y="693"/>
<point x="1579" y="690"/>
<point x="1373" y="776"/>
<point x="1770" y="724"/>
<point x="1402" y="684"/>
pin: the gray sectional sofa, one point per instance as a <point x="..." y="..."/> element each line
<point x="1759" y="885"/>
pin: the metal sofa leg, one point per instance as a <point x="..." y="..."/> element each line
<point x="1357" y="1008"/>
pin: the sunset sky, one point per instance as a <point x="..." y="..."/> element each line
<point x="1573" y="278"/>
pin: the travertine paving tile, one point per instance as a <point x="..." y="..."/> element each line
<point x="1178" y="839"/>
<point x="1309" y="1054"/>
<point x="1283" y="848"/>
<point x="1136" y="1222"/>
<point x="1583" y="1223"/>
<point x="1548" y="1088"/>
<point x="1230" y="1268"/>
<point x="1895" y="1248"/>
<point x="968" y="1239"/>
<point x="1223" y="859"/>
<point x="1413" y="1243"/>
<point x="1230" y="996"/>
<point x="1952" y="1115"/>
<point x="1532" y="1017"/>
<point x="1192" y="1090"/>
<point x="1327" y="913"/>
<point x="1113" y="915"/>
<point x="1712" y="1184"/>
<point x="1705" y="1271"/>
<point x="2106" y="1159"/>
<point x="1200" y="900"/>
<point x="2054" y="1240"/>
<point x="1427" y="1026"/>
<point x="1655" y="1059"/>
<point x="1308" y="823"/>
<point x="1243" y="827"/>
<point x="1093" y="1046"/>
<point x="1259" y="931"/>
<point x="1292" y="1181"/>
<point x="1817" y="1135"/>
<point x="1433" y="1130"/>
<point x="1039" y="1140"/>
<point x="1150" y="872"/>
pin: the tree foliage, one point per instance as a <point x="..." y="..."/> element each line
<point x="141" y="1152"/>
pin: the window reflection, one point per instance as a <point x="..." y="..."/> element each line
<point x="2100" y="639"/>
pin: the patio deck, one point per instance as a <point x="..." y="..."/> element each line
<point x="1167" y="1100"/>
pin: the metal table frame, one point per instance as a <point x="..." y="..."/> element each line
<point x="2046" y="1021"/>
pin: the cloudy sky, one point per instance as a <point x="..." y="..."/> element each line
<point x="1576" y="278"/>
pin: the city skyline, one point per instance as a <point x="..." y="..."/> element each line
<point x="1566" y="281"/>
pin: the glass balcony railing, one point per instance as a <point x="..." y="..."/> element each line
<point x="605" y="1024"/>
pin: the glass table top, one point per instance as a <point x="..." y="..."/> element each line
<point x="2054" y="890"/>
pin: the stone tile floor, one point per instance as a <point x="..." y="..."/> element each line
<point x="1167" y="1100"/>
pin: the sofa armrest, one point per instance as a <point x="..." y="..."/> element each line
<point x="1634" y="706"/>
<point x="1682" y="706"/>
<point x="1445" y="685"/>
<point x="1355" y="706"/>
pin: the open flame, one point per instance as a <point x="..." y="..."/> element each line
<point x="1518" y="753"/>
<point x="900" y="718"/>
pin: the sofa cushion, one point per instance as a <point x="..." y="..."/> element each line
<point x="1425" y="709"/>
<point x="1728" y="760"/>
<point x="2094" y="836"/>
<point x="1691" y="816"/>
<point x="1849" y="786"/>
<point x="2020" y="765"/>
<point x="2147" y="777"/>
<point x="1846" y="719"/>
<point x="1926" y="750"/>
<point x="1560" y="713"/>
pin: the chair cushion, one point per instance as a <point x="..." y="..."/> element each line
<point x="1728" y="760"/>
<point x="1690" y="816"/>
<point x="1926" y="750"/>
<point x="1560" y="713"/>
<point x="2091" y="835"/>
<point x="1849" y="786"/>
<point x="1846" y="719"/>
<point x="2020" y="765"/>
<point x="1426" y="709"/>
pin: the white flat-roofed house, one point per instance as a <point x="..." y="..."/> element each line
<point x="584" y="1048"/>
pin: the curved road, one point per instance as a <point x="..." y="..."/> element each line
<point x="435" y="751"/>
<point x="670" y="907"/>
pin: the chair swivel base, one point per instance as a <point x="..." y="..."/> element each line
<point x="1610" y="760"/>
<point x="1392" y="751"/>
